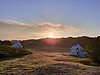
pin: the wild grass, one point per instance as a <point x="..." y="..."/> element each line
<point x="85" y="61"/>
<point x="44" y="63"/>
<point x="7" y="52"/>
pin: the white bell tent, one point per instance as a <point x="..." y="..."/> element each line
<point x="73" y="47"/>
<point x="77" y="51"/>
<point x="17" y="45"/>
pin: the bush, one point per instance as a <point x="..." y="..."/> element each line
<point x="6" y="42"/>
<point x="93" y="49"/>
<point x="7" y="51"/>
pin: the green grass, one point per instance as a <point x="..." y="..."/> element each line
<point x="7" y="52"/>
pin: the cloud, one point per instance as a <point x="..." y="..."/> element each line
<point x="48" y="24"/>
<point x="47" y="27"/>
<point x="19" y="30"/>
<point x="12" y="22"/>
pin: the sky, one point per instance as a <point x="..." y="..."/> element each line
<point x="34" y="19"/>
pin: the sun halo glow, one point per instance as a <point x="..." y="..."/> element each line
<point x="51" y="35"/>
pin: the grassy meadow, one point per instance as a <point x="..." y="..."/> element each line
<point x="47" y="63"/>
<point x="45" y="59"/>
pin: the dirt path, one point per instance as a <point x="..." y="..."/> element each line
<point x="45" y="63"/>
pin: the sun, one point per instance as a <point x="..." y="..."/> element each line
<point x="51" y="35"/>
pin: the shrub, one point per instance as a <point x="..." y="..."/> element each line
<point x="93" y="49"/>
<point x="6" y="42"/>
<point x="7" y="51"/>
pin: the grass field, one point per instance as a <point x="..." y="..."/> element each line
<point x="47" y="63"/>
<point x="8" y="52"/>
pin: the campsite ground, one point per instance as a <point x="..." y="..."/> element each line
<point x="46" y="63"/>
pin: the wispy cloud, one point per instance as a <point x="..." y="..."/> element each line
<point x="12" y="22"/>
<point x="19" y="30"/>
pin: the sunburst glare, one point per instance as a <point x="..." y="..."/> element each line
<point x="51" y="35"/>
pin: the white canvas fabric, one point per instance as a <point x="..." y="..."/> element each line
<point x="17" y="45"/>
<point x="73" y="47"/>
<point x="79" y="47"/>
<point x="72" y="50"/>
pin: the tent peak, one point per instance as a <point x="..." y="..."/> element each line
<point x="17" y="45"/>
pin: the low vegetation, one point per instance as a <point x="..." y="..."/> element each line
<point x="85" y="61"/>
<point x="93" y="49"/>
<point x="7" y="51"/>
<point x="5" y="42"/>
<point x="43" y="63"/>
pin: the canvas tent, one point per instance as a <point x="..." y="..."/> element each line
<point x="72" y="50"/>
<point x="17" y="45"/>
<point x="77" y="51"/>
<point x="73" y="47"/>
